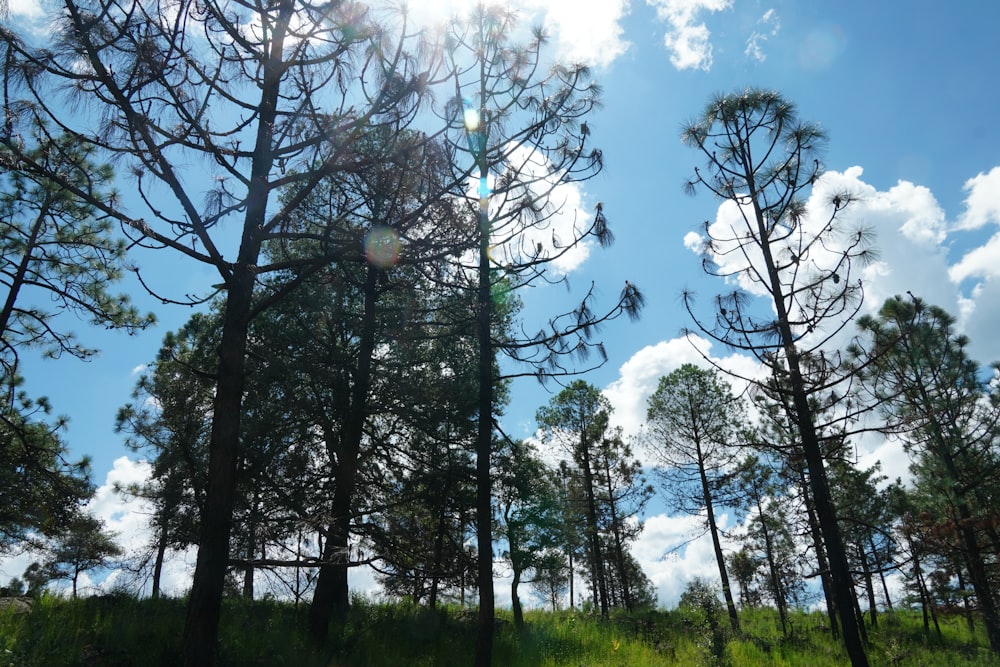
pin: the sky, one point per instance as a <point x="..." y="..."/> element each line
<point x="906" y="92"/>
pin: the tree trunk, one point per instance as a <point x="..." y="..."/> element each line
<point x="862" y="630"/>
<point x="597" y="563"/>
<point x="840" y="572"/>
<point x="248" y="572"/>
<point x="772" y="569"/>
<point x="572" y="600"/>
<point x="484" y="436"/>
<point x="161" y="550"/>
<point x="821" y="561"/>
<point x="17" y="282"/>
<point x="439" y="539"/>
<point x="332" y="595"/>
<point x="869" y="585"/>
<point x="205" y="603"/>
<point x="720" y="559"/>
<point x="201" y="626"/>
<point x="881" y="574"/>
<point x="619" y="542"/>
<point x="515" y="601"/>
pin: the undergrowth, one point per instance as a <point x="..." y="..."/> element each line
<point x="120" y="631"/>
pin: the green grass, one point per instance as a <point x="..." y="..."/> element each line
<point x="121" y="631"/>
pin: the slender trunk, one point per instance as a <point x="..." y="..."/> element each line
<point x="437" y="564"/>
<point x="484" y="437"/>
<point x="881" y="575"/>
<point x="720" y="559"/>
<point x="597" y="563"/>
<point x="515" y="601"/>
<point x="248" y="572"/>
<point x="619" y="542"/>
<point x="572" y="599"/>
<point x="811" y="448"/>
<point x="866" y="571"/>
<point x="926" y="603"/>
<point x="772" y="568"/>
<point x="963" y="586"/>
<point x="840" y="572"/>
<point x="201" y="626"/>
<point x="821" y="561"/>
<point x="332" y="595"/>
<point x="161" y="551"/>
<point x="862" y="630"/>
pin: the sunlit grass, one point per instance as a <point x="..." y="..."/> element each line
<point x="119" y="630"/>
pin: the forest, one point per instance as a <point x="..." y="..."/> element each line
<point x="377" y="203"/>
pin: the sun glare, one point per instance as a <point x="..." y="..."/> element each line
<point x="471" y="119"/>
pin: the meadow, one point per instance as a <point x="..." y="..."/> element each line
<point x="119" y="631"/>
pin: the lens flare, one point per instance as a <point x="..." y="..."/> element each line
<point x="382" y="247"/>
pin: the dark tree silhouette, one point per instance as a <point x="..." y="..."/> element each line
<point x="261" y="97"/>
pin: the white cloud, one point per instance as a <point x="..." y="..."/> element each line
<point x="121" y="513"/>
<point x="639" y="376"/>
<point x="981" y="262"/>
<point x="982" y="206"/>
<point x="128" y="518"/>
<point x="28" y="9"/>
<point x="687" y="39"/>
<point x="911" y="244"/>
<point x="565" y="217"/>
<point x="770" y="25"/>
<point x="694" y="242"/>
<point x="673" y="550"/>
<point x="585" y="31"/>
<point x="582" y="31"/>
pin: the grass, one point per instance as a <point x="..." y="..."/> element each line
<point x="120" y="631"/>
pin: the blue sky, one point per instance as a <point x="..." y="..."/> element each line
<point x="907" y="92"/>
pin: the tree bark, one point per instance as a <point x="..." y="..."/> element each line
<point x="161" y="550"/>
<point x="332" y="595"/>
<point x="201" y="626"/>
<point x="205" y="604"/>
<point x="720" y="559"/>
<point x="821" y="561"/>
<point x="515" y="601"/>
<point x="484" y="436"/>
<point x="866" y="571"/>
<point x="597" y="562"/>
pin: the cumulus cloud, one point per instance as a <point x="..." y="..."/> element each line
<point x="128" y="518"/>
<point x="912" y="239"/>
<point x="565" y="217"/>
<point x="639" y="376"/>
<point x="982" y="205"/>
<point x="582" y="31"/>
<point x="687" y="38"/>
<point x="587" y="31"/>
<point x="674" y="550"/>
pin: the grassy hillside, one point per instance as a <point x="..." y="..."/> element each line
<point x="121" y="631"/>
